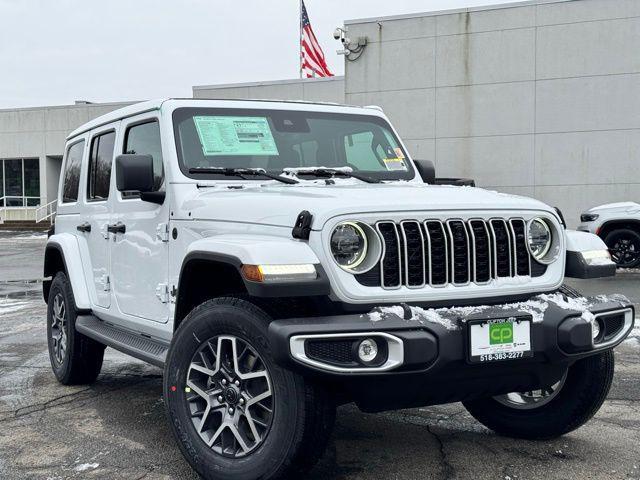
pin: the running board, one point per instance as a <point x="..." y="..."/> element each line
<point x="138" y="346"/>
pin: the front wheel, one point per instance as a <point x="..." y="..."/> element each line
<point x="553" y="411"/>
<point x="234" y="412"/>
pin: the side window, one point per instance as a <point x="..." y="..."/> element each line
<point x="361" y="153"/>
<point x="100" y="161"/>
<point x="72" y="172"/>
<point x="144" y="139"/>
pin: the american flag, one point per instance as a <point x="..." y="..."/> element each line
<point x="312" y="62"/>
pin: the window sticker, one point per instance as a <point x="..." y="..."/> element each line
<point x="393" y="164"/>
<point x="399" y="153"/>
<point x="221" y="135"/>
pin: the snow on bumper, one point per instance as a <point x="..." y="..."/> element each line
<point x="414" y="339"/>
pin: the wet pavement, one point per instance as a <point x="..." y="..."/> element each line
<point x="116" y="428"/>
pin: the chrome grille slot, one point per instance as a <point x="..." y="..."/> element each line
<point x="414" y="257"/>
<point x="522" y="260"/>
<point x="454" y="252"/>
<point x="438" y="253"/>
<point x="502" y="258"/>
<point x="391" y="266"/>
<point x="459" y="248"/>
<point x="481" y="251"/>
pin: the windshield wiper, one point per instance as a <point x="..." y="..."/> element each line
<point x="242" y="172"/>
<point x="325" y="172"/>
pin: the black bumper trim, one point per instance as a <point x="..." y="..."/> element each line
<point x="435" y="367"/>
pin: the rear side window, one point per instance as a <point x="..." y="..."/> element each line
<point x="100" y="161"/>
<point x="144" y="139"/>
<point x="72" y="172"/>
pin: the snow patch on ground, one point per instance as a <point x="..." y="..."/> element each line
<point x="83" y="467"/>
<point x="449" y="317"/>
<point x="634" y="336"/>
<point x="10" y="306"/>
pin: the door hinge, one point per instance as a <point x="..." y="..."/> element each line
<point x="162" y="232"/>
<point x="106" y="283"/>
<point x="162" y="292"/>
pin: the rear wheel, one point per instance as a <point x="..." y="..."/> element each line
<point x="75" y="358"/>
<point x="234" y="412"/>
<point x="624" y="245"/>
<point x="553" y="411"/>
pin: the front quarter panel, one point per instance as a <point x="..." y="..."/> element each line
<point x="256" y="249"/>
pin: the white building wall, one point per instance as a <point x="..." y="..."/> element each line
<point x="40" y="133"/>
<point x="330" y="89"/>
<point x="539" y="98"/>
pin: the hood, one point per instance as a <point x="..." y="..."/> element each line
<point x="279" y="205"/>
<point x="628" y="207"/>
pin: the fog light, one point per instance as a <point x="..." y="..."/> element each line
<point x="367" y="350"/>
<point x="595" y="329"/>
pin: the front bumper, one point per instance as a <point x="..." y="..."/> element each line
<point x="431" y="362"/>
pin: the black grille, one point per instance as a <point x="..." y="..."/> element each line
<point x="522" y="258"/>
<point x="481" y="251"/>
<point x="391" y="260"/>
<point x="459" y="240"/>
<point x="612" y="325"/>
<point x="438" y="253"/>
<point x="502" y="242"/>
<point x="457" y="252"/>
<point x="415" y="259"/>
<point x="330" y="351"/>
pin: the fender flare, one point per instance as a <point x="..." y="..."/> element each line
<point x="238" y="250"/>
<point x="67" y="246"/>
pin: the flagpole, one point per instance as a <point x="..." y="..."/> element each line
<point x="300" y="38"/>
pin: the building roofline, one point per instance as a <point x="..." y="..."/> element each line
<point x="268" y="82"/>
<point x="435" y="13"/>
<point x="71" y="105"/>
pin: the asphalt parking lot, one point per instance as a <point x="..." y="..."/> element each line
<point x="116" y="428"/>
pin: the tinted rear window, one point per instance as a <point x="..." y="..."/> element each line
<point x="72" y="168"/>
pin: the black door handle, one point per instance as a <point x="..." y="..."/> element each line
<point x="117" y="228"/>
<point x="84" y="227"/>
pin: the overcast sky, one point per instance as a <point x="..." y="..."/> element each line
<point x="58" y="51"/>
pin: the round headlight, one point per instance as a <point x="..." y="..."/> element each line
<point x="539" y="238"/>
<point x="349" y="245"/>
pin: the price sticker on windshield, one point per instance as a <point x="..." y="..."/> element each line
<point x="222" y="135"/>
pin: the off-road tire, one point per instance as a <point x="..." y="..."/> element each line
<point x="82" y="360"/>
<point x="303" y="413"/>
<point x="584" y="390"/>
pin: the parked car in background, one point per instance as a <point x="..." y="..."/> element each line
<point x="618" y="224"/>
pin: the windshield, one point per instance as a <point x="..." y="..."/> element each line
<point x="276" y="140"/>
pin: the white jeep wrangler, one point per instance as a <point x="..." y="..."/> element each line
<point x="278" y="259"/>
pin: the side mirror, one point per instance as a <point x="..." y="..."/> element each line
<point x="427" y="170"/>
<point x="134" y="173"/>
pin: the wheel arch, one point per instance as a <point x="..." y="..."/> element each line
<point x="206" y="275"/>
<point x="62" y="254"/>
<point x="618" y="224"/>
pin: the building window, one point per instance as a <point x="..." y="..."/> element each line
<point x="19" y="182"/>
<point x="99" y="177"/>
<point x="32" y="181"/>
<point x="72" y="172"/>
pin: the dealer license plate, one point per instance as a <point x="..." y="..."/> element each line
<point x="500" y="339"/>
